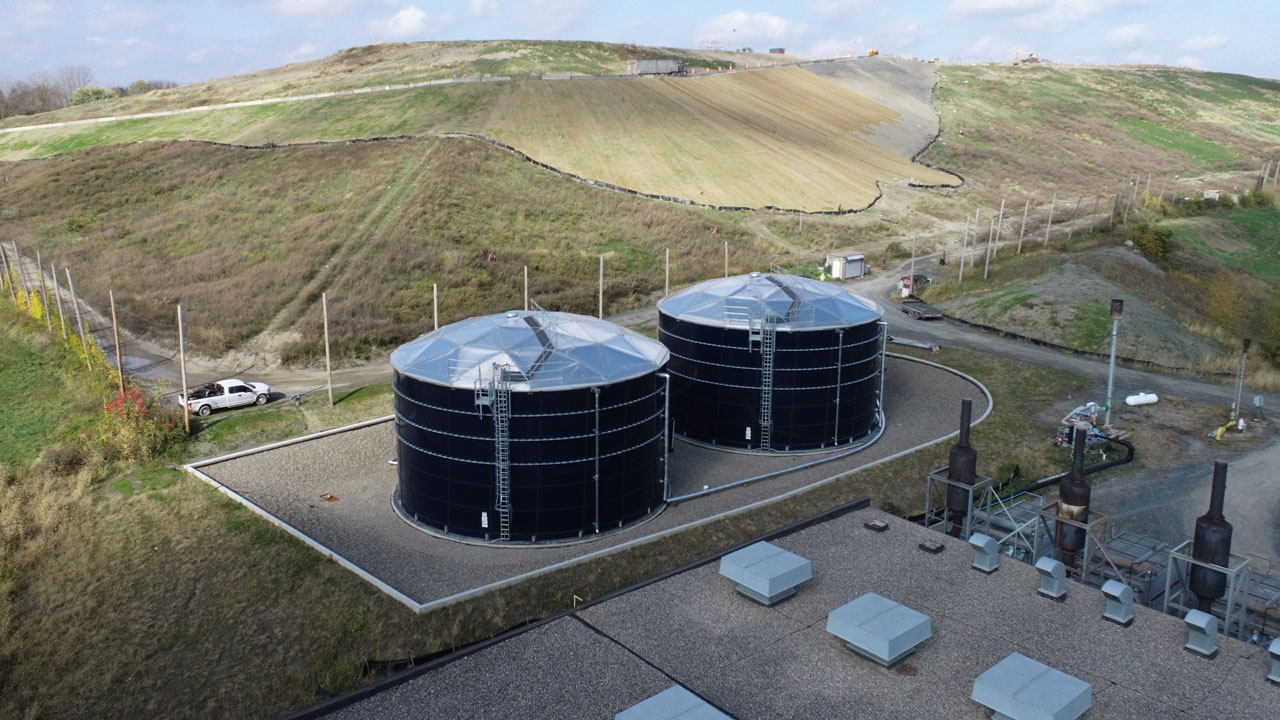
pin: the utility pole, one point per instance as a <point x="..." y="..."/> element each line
<point x="987" y="263"/>
<point x="1025" y="207"/>
<point x="328" y="366"/>
<point x="75" y="303"/>
<point x="1117" y="309"/>
<point x="1049" y="226"/>
<point x="1235" y="409"/>
<point x="57" y="294"/>
<point x="115" y="331"/>
<point x="964" y="244"/>
<point x="44" y="292"/>
<point x="182" y="364"/>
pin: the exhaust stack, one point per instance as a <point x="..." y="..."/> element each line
<point x="962" y="467"/>
<point x="1073" y="504"/>
<point x="1212" y="544"/>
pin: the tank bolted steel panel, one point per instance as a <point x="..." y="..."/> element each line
<point x="826" y="347"/>
<point x="583" y="403"/>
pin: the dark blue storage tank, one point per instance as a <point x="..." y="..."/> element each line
<point x="773" y="362"/>
<point x="529" y="427"/>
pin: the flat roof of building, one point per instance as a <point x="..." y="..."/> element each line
<point x="694" y="629"/>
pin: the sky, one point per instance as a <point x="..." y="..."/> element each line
<point x="190" y="40"/>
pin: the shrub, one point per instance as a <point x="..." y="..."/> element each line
<point x="1152" y="242"/>
<point x="1224" y="301"/>
<point x="131" y="430"/>
<point x="91" y="94"/>
<point x="895" y="251"/>
<point x="1226" y="203"/>
<point x="63" y="458"/>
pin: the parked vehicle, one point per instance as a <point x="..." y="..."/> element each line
<point x="224" y="394"/>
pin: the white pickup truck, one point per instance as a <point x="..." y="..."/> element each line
<point x="225" y="394"/>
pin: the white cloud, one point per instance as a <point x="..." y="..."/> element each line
<point x="1190" y="61"/>
<point x="836" y="9"/>
<point x="34" y="15"/>
<point x="738" y="29"/>
<point x="970" y="8"/>
<point x="990" y="48"/>
<point x="1040" y="14"/>
<point x="484" y="8"/>
<point x="197" y="57"/>
<point x="409" y="21"/>
<point x="835" y="47"/>
<point x="1200" y="43"/>
<point x="1126" y="36"/>
<point x="305" y="51"/>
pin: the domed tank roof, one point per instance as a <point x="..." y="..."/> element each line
<point x="544" y="350"/>
<point x="795" y="301"/>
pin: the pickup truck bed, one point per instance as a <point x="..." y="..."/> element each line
<point x="921" y="310"/>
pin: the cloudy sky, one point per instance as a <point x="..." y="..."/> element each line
<point x="188" y="40"/>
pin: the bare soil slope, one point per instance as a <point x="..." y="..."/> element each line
<point x="903" y="86"/>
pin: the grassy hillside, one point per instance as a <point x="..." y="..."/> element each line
<point x="782" y="136"/>
<point x="399" y="63"/>
<point x="247" y="240"/>
<point x="1027" y="130"/>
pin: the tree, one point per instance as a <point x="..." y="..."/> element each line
<point x="90" y="94"/>
<point x="72" y="78"/>
<point x="139" y="87"/>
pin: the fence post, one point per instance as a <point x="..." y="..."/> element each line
<point x="999" y="223"/>
<point x="987" y="263"/>
<point x="8" y="274"/>
<point x="1021" y="231"/>
<point x="976" y="212"/>
<point x="1049" y="226"/>
<point x="1163" y="184"/>
<point x="667" y="291"/>
<point x="435" y="307"/>
<point x="57" y="295"/>
<point x="1093" y="216"/>
<point x="115" y="331"/>
<point x="526" y="288"/>
<point x="44" y="292"/>
<point x="328" y="366"/>
<point x="964" y="244"/>
<point x="726" y="258"/>
<point x="600" y="310"/>
<point x="182" y="364"/>
<point x="75" y="303"/>
<point x="22" y="276"/>
<point x="1071" y="224"/>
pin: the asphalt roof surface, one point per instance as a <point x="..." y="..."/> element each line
<point x="921" y="403"/>
<point x="754" y="662"/>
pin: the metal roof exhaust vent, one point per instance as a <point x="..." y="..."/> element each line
<point x="1073" y="504"/>
<point x="674" y="703"/>
<point x="962" y="468"/>
<point x="1212" y="544"/>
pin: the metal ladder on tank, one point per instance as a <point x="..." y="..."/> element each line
<point x="501" y="399"/>
<point x="768" y="344"/>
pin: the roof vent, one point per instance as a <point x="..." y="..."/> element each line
<point x="674" y="702"/>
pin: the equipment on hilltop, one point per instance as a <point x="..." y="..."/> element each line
<point x="873" y="52"/>
<point x="1030" y="59"/>
<point x="1086" y="418"/>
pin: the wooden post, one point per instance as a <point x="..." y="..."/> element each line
<point x="1124" y="218"/>
<point x="435" y="307"/>
<point x="182" y="364"/>
<point x="726" y="258"/>
<point x="974" y="259"/>
<point x="22" y="276"/>
<point x="75" y="303"/>
<point x="115" y="331"/>
<point x="1022" y="231"/>
<point x="964" y="245"/>
<point x="328" y="367"/>
<point x="667" y="291"/>
<point x="600" y="311"/>
<point x="986" y="264"/>
<point x="57" y="294"/>
<point x="44" y="292"/>
<point x="1071" y="226"/>
<point x="1147" y="192"/>
<point x="999" y="222"/>
<point x="1093" y="217"/>
<point x="526" y="288"/>
<point x="1049" y="226"/>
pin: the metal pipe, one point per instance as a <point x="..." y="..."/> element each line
<point x="1212" y="544"/>
<point x="1025" y="207"/>
<point x="600" y="311"/>
<point x="999" y="224"/>
<point x="526" y="288"/>
<point x="595" y="392"/>
<point x="57" y="294"/>
<point x="44" y="293"/>
<point x="964" y="244"/>
<point x="75" y="303"/>
<point x="986" y="264"/>
<point x="1244" y="354"/>
<point x="835" y="432"/>
<point x="1117" y="309"/>
<point x="435" y="307"/>
<point x="666" y="436"/>
<point x="962" y="471"/>
<point x="1049" y="226"/>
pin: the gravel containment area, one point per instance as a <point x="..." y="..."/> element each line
<point x="290" y="485"/>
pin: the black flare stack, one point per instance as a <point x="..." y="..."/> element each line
<point x="1212" y="544"/>
<point x="962" y="467"/>
<point x="1073" y="504"/>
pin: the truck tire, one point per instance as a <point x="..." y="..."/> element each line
<point x="204" y="410"/>
<point x="260" y="400"/>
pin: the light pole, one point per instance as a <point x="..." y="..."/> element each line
<point x="1235" y="409"/>
<point x="1117" y="309"/>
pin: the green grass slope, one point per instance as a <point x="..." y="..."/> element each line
<point x="247" y="240"/>
<point x="1026" y="130"/>
<point x="395" y="64"/>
